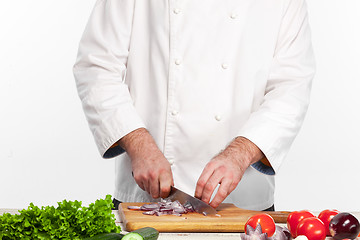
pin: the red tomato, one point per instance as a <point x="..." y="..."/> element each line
<point x="326" y="216"/>
<point x="266" y="221"/>
<point x="313" y="228"/>
<point x="294" y="218"/>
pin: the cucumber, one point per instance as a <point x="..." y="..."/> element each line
<point x="106" y="236"/>
<point x="146" y="233"/>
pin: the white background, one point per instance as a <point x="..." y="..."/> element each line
<point x="47" y="153"/>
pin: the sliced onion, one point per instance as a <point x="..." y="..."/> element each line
<point x="134" y="207"/>
<point x="164" y="207"/>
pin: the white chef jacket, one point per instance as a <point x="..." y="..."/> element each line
<point x="197" y="74"/>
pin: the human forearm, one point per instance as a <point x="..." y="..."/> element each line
<point x="227" y="169"/>
<point x="151" y="170"/>
<point x="135" y="142"/>
<point x="242" y="148"/>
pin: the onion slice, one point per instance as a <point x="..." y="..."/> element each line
<point x="164" y="207"/>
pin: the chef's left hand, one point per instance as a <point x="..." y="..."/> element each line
<point x="226" y="169"/>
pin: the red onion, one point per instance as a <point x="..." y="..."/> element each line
<point x="165" y="207"/>
<point x="281" y="233"/>
<point x="253" y="234"/>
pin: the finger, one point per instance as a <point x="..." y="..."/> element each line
<point x="166" y="181"/>
<point x="141" y="185"/>
<point x="203" y="179"/>
<point x="146" y="186"/>
<point x="211" y="184"/>
<point x="154" y="187"/>
<point x="222" y="193"/>
<point x="139" y="181"/>
<point x="234" y="184"/>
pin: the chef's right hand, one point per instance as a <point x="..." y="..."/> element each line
<point x="151" y="170"/>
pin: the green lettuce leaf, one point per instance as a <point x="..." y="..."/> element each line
<point x="69" y="220"/>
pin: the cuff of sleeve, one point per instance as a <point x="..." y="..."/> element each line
<point x="273" y="150"/>
<point x="114" y="129"/>
<point x="113" y="152"/>
<point x="263" y="168"/>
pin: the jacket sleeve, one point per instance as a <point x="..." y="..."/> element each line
<point x="275" y="124"/>
<point x="100" y="71"/>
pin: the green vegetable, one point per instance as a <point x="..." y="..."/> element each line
<point x="70" y="220"/>
<point x="146" y="233"/>
<point x="106" y="236"/>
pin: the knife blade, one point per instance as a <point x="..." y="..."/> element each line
<point x="198" y="205"/>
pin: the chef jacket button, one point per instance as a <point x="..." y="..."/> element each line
<point x="174" y="113"/>
<point x="171" y="161"/>
<point x="233" y="15"/>
<point x="224" y="65"/>
<point x="177" y="61"/>
<point x="176" y="10"/>
<point x="218" y="117"/>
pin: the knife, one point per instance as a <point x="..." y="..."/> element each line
<point x="198" y="205"/>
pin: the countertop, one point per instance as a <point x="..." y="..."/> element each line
<point x="176" y="236"/>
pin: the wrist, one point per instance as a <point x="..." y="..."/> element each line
<point x="245" y="150"/>
<point x="141" y="146"/>
<point x="126" y="141"/>
<point x="135" y="141"/>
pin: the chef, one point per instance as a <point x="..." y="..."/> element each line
<point x="204" y="95"/>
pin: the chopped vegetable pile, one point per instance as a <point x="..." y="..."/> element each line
<point x="70" y="220"/>
<point x="164" y="207"/>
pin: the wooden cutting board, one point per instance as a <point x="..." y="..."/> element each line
<point x="231" y="219"/>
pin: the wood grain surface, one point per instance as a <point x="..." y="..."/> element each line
<point x="231" y="219"/>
